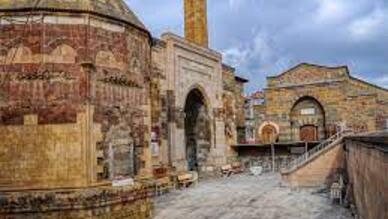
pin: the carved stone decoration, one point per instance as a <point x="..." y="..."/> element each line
<point x="135" y="66"/>
<point x="229" y="128"/>
<point x="218" y="113"/>
<point x="179" y="118"/>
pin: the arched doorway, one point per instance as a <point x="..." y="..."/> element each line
<point x="268" y="134"/>
<point x="197" y="130"/>
<point x="307" y="120"/>
<point x="309" y="133"/>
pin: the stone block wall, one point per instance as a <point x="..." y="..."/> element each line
<point x="340" y="95"/>
<point x="43" y="156"/>
<point x="183" y="67"/>
<point x="130" y="202"/>
<point x="367" y="168"/>
<point x="60" y="62"/>
<point x="196" y="22"/>
<point x="319" y="170"/>
<point x="280" y="102"/>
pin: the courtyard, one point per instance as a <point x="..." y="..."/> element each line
<point x="247" y="197"/>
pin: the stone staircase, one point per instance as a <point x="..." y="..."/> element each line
<point x="315" y="152"/>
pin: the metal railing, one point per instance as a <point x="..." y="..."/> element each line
<point x="311" y="153"/>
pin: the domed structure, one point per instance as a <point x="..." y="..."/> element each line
<point x="73" y="98"/>
<point x="116" y="9"/>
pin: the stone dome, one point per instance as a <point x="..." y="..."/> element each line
<point x="116" y="9"/>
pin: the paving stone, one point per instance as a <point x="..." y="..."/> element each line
<point x="247" y="197"/>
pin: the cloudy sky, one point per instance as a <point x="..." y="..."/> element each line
<point x="265" y="37"/>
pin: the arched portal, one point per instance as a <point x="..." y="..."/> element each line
<point x="197" y="130"/>
<point x="307" y="120"/>
<point x="268" y="134"/>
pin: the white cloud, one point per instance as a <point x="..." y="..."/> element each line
<point x="331" y="10"/>
<point x="259" y="50"/>
<point x="235" y="56"/>
<point x="381" y="81"/>
<point x="266" y="37"/>
<point x="369" y="26"/>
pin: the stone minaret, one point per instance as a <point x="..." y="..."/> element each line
<point x="196" y="22"/>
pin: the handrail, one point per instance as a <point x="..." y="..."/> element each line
<point x="294" y="164"/>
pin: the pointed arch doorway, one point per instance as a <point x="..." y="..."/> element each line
<point x="197" y="130"/>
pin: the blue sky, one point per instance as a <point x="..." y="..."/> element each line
<point x="266" y="37"/>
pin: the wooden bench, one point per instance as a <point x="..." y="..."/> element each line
<point x="163" y="185"/>
<point x="186" y="179"/>
<point x="160" y="172"/>
<point x="162" y="179"/>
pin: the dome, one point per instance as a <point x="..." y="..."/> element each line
<point x="116" y="9"/>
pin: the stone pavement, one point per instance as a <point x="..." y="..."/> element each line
<point x="247" y="197"/>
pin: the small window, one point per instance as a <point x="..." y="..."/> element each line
<point x="307" y="111"/>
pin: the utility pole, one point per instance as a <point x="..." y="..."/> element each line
<point x="273" y="157"/>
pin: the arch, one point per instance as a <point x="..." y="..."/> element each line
<point x="63" y="53"/>
<point x="135" y="66"/>
<point x="106" y="58"/>
<point x="55" y="43"/>
<point x="203" y="92"/>
<point x="268" y="132"/>
<point x="276" y="126"/>
<point x="20" y="54"/>
<point x="307" y="120"/>
<point x="197" y="127"/>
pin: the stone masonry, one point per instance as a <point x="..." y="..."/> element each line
<point x="74" y="109"/>
<point x="196" y="22"/>
<point x="333" y="98"/>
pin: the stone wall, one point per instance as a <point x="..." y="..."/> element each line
<point x="319" y="170"/>
<point x="340" y="95"/>
<point x="69" y="60"/>
<point x="367" y="168"/>
<point x="230" y="108"/>
<point x="184" y="67"/>
<point x="196" y="22"/>
<point x="50" y="156"/>
<point x="93" y="203"/>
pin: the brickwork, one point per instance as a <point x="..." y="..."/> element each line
<point x="367" y="168"/>
<point x="74" y="109"/>
<point x="340" y="95"/>
<point x="36" y="156"/>
<point x="230" y="105"/>
<point x="182" y="68"/>
<point x="320" y="170"/>
<point x="196" y="22"/>
<point x="64" y="62"/>
<point x="234" y="111"/>
<point x="94" y="203"/>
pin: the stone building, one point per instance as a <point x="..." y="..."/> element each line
<point x="234" y="112"/>
<point x="74" y="105"/>
<point x="310" y="103"/>
<point x="198" y="99"/>
<point x="88" y="97"/>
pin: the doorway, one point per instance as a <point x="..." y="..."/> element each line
<point x="197" y="130"/>
<point x="309" y="133"/>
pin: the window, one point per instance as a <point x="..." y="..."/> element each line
<point x="307" y="111"/>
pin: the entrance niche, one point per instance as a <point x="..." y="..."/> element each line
<point x="307" y="120"/>
<point x="197" y="130"/>
<point x="309" y="133"/>
<point x="268" y="134"/>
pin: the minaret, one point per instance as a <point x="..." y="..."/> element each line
<point x="196" y="22"/>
